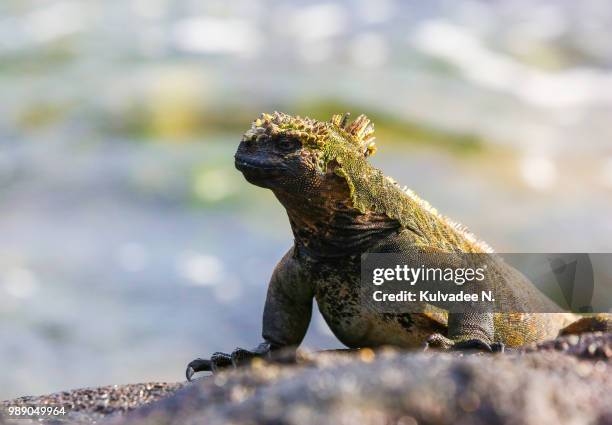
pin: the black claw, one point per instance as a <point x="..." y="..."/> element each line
<point x="220" y="361"/>
<point x="473" y="344"/>
<point x="437" y="341"/>
<point x="189" y="373"/>
<point x="240" y="356"/>
<point x="498" y="347"/>
<point x="197" y="365"/>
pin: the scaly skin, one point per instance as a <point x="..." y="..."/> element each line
<point x="341" y="207"/>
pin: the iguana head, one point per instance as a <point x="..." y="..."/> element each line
<point x="320" y="173"/>
<point x="286" y="153"/>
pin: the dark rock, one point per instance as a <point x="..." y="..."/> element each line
<point x="565" y="381"/>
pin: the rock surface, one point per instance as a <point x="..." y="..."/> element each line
<point x="89" y="405"/>
<point x="565" y="381"/>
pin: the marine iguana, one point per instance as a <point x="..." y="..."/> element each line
<point x="340" y="207"/>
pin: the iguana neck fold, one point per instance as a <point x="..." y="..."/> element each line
<point x="334" y="229"/>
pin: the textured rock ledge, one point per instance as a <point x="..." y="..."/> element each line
<point x="90" y="405"/>
<point x="566" y="381"/>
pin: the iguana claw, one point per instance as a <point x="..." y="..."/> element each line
<point x="439" y="341"/>
<point x="197" y="365"/>
<point x="472" y="344"/>
<point x="240" y="356"/>
<point x="498" y="347"/>
<point x="218" y="361"/>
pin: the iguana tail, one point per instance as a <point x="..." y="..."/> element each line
<point x="596" y="323"/>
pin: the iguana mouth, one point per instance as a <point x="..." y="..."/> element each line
<point x="244" y="164"/>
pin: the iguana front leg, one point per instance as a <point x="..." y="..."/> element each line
<point x="286" y="317"/>
<point x="467" y="331"/>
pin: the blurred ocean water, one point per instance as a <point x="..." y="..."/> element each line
<point x="131" y="245"/>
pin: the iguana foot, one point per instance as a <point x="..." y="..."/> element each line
<point x="479" y="345"/>
<point x="218" y="361"/>
<point x="440" y="342"/>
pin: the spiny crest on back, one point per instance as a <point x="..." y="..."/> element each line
<point x="316" y="134"/>
<point x="361" y="131"/>
<point x="461" y="229"/>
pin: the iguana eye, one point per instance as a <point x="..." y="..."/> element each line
<point x="288" y="144"/>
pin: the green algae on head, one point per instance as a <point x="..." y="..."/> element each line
<point x="336" y="133"/>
